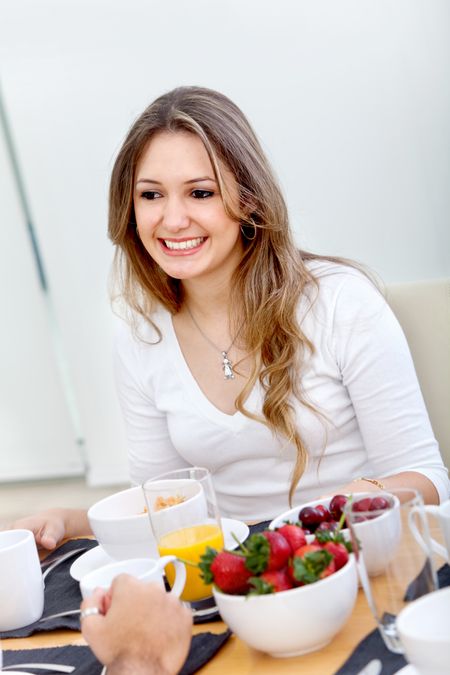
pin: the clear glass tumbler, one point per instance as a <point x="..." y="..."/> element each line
<point x="395" y="564"/>
<point x="185" y="519"/>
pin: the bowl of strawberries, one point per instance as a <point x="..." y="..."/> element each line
<point x="282" y="594"/>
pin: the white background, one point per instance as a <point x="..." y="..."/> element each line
<point x="351" y="99"/>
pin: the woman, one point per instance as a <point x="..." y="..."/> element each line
<point x="283" y="372"/>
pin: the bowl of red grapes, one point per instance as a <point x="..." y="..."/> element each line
<point x="327" y="514"/>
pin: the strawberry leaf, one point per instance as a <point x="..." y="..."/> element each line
<point x="258" y="551"/>
<point x="205" y="563"/>
<point x="260" y="586"/>
<point x="336" y="536"/>
<point x="309" y="568"/>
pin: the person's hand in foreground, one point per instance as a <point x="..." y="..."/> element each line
<point x="141" y="628"/>
<point x="52" y="526"/>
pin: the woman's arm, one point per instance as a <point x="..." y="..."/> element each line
<point x="404" y="479"/>
<point x="378" y="372"/>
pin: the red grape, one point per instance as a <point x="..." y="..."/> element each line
<point x="362" y="505"/>
<point x="379" y="504"/>
<point x="310" y="517"/>
<point x="326" y="515"/>
<point x="337" y="506"/>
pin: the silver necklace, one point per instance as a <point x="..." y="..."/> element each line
<point x="227" y="366"/>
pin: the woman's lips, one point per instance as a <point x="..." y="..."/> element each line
<point x="185" y="246"/>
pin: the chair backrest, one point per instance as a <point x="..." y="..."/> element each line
<point x="423" y="310"/>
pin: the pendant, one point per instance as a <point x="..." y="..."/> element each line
<point x="227" y="367"/>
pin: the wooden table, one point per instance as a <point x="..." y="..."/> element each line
<point x="237" y="658"/>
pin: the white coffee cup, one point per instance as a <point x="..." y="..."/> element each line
<point x="21" y="584"/>
<point x="442" y="513"/>
<point x="145" y="569"/>
<point x="378" y="538"/>
<point x="424" y="632"/>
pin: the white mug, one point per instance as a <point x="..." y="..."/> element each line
<point x="21" y="584"/>
<point x="442" y="513"/>
<point x="424" y="632"/>
<point x="378" y="538"/>
<point x="144" y="569"/>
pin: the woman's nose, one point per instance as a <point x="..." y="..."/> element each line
<point x="175" y="216"/>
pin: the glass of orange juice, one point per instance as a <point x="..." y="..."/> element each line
<point x="185" y="520"/>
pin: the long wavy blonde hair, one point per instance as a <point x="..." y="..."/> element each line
<point x="272" y="274"/>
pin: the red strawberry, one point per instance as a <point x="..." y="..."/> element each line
<point x="271" y="582"/>
<point x="293" y="534"/>
<point x="311" y="563"/>
<point x="226" y="570"/>
<point x="266" y="551"/>
<point x="339" y="553"/>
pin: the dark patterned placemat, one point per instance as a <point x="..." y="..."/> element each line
<point x="203" y="647"/>
<point x="62" y="593"/>
<point x="373" y="647"/>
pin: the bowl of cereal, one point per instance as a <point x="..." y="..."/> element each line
<point x="121" y="525"/>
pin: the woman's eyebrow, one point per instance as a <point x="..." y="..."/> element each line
<point x="199" y="180"/>
<point x="148" y="180"/>
<point x="187" y="182"/>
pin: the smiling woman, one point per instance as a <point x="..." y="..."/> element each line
<point x="283" y="372"/>
<point x="180" y="216"/>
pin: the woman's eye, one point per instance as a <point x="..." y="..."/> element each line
<point x="150" y="194"/>
<point x="202" y="194"/>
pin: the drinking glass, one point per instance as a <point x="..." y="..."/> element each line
<point x="386" y="540"/>
<point x="185" y="519"/>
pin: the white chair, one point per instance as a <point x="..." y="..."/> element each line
<point x="423" y="310"/>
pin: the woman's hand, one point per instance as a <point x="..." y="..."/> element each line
<point x="50" y="527"/>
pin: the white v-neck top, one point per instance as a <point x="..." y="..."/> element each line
<point x="371" y="418"/>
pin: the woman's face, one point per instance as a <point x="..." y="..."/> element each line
<point x="180" y="215"/>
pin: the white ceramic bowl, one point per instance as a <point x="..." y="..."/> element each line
<point x="122" y="527"/>
<point x="424" y="631"/>
<point x="291" y="516"/>
<point x="193" y="509"/>
<point x="293" y="622"/>
<point x="375" y="557"/>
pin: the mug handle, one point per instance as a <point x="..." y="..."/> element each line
<point x="437" y="548"/>
<point x="180" y="573"/>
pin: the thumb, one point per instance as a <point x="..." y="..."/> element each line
<point x="50" y="535"/>
<point x="47" y="540"/>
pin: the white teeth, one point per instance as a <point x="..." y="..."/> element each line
<point x="180" y="245"/>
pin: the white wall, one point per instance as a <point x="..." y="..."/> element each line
<point x="37" y="438"/>
<point x="351" y="99"/>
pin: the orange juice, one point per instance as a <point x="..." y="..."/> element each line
<point x="189" y="544"/>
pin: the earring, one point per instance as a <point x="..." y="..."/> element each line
<point x="248" y="230"/>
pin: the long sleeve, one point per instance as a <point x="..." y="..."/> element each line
<point x="378" y="372"/>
